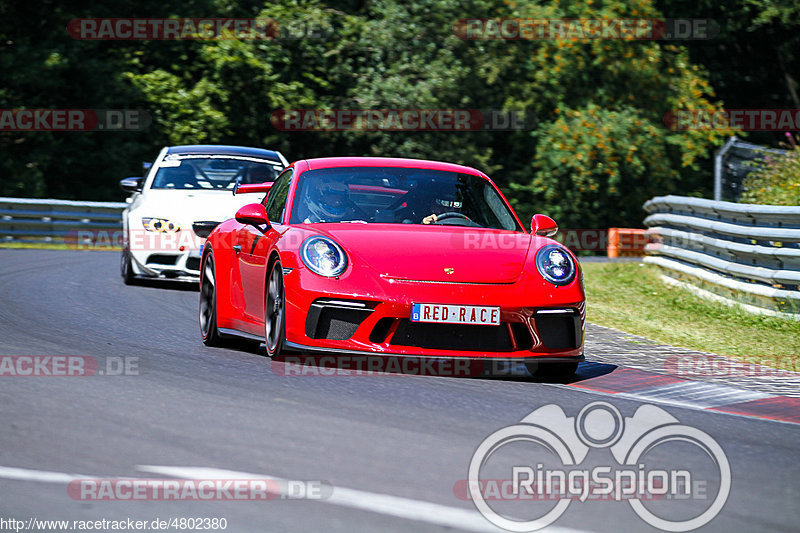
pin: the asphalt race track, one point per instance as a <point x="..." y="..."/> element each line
<point x="392" y="446"/>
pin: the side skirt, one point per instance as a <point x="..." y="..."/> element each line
<point x="227" y="332"/>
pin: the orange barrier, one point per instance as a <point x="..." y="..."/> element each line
<point x="626" y="242"/>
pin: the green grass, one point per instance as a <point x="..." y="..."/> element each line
<point x="631" y="297"/>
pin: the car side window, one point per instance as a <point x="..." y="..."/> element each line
<point x="276" y="199"/>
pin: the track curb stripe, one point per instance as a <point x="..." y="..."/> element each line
<point x="780" y="408"/>
<point x="626" y="380"/>
<point x="649" y="386"/>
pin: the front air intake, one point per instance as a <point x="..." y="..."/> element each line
<point x="336" y="320"/>
<point x="559" y="329"/>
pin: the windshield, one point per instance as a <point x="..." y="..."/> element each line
<point x="399" y="196"/>
<point x="212" y="172"/>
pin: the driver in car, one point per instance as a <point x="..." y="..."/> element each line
<point x="329" y="201"/>
<point x="441" y="206"/>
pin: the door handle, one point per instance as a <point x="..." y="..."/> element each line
<point x="237" y="249"/>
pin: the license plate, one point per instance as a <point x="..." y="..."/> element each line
<point x="455" y="314"/>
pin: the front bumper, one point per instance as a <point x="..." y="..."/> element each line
<point x="539" y="322"/>
<point x="172" y="265"/>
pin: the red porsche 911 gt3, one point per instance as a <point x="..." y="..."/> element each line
<point x="401" y="257"/>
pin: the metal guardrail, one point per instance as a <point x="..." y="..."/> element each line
<point x="743" y="253"/>
<point x="35" y="220"/>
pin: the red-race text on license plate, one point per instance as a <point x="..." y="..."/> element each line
<point x="455" y="314"/>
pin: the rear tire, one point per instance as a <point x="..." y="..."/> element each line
<point x="275" y="311"/>
<point x="552" y="370"/>
<point x="208" y="304"/>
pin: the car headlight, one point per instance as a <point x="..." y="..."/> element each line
<point x="161" y="225"/>
<point x="323" y="256"/>
<point x="555" y="265"/>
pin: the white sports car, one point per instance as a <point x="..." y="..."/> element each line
<point x="184" y="195"/>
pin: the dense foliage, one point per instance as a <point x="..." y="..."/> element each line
<point x="600" y="147"/>
<point x="775" y="181"/>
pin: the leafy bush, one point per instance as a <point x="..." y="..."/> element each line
<point x="776" y="181"/>
<point x="596" y="167"/>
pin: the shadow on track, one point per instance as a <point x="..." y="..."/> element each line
<point x="348" y="365"/>
<point x="167" y="284"/>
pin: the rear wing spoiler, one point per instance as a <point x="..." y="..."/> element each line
<point x="251" y="187"/>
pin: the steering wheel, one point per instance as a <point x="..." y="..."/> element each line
<point x="449" y="215"/>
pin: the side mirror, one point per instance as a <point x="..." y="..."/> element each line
<point x="131" y="184"/>
<point x="544" y="226"/>
<point x="252" y="214"/>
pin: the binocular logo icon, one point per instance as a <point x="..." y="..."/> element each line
<point x="600" y="425"/>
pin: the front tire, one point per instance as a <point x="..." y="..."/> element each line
<point x="208" y="304"/>
<point x="126" y="268"/>
<point x="275" y="311"/>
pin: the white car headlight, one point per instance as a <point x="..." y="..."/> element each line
<point x="323" y="256"/>
<point x="555" y="265"/>
<point x="161" y="225"/>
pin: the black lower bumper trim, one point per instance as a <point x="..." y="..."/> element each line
<point x="533" y="359"/>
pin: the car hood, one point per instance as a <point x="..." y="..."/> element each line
<point x="434" y="253"/>
<point x="188" y="206"/>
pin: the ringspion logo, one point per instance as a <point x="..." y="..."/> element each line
<point x="518" y="471"/>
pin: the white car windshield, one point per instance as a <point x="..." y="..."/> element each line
<point x="212" y="172"/>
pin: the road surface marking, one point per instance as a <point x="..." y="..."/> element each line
<point x="421" y="511"/>
<point x="406" y="508"/>
<point x="24" y="474"/>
